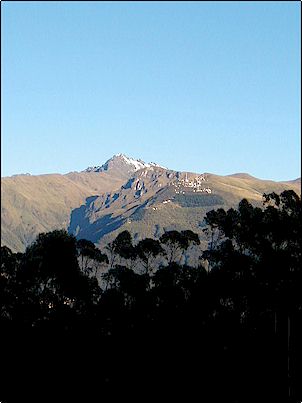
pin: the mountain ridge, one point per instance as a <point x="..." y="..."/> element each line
<point x="145" y="198"/>
<point x="122" y="163"/>
<point x="154" y="200"/>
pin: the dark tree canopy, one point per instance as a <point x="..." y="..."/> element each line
<point x="177" y="242"/>
<point x="123" y="245"/>
<point x="228" y="330"/>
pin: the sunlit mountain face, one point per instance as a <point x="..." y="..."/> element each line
<point x="123" y="193"/>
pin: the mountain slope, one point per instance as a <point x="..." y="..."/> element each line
<point x="31" y="204"/>
<point x="123" y="193"/>
<point x="34" y="204"/>
<point x="154" y="200"/>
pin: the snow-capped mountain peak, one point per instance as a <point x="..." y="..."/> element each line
<point x="137" y="164"/>
<point x="123" y="164"/>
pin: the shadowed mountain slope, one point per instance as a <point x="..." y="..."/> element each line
<point x="155" y="200"/>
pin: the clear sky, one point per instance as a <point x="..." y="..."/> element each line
<point x="194" y="86"/>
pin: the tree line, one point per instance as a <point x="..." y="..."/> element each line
<point x="227" y="329"/>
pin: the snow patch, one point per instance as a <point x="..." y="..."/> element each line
<point x="131" y="162"/>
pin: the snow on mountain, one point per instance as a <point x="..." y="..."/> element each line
<point x="153" y="164"/>
<point x="123" y="163"/>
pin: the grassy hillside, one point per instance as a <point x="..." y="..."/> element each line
<point x="34" y="204"/>
<point x="98" y="206"/>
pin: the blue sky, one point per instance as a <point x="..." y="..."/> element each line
<point x="195" y="86"/>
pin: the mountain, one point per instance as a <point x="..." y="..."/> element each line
<point x="123" y="193"/>
<point x="122" y="166"/>
<point x="154" y="200"/>
<point x="32" y="204"/>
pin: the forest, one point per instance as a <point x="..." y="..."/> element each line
<point x="135" y="321"/>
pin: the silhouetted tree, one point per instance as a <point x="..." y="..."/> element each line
<point x="177" y="242"/>
<point x="121" y="247"/>
<point x="10" y="264"/>
<point x="90" y="257"/>
<point x="148" y="249"/>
